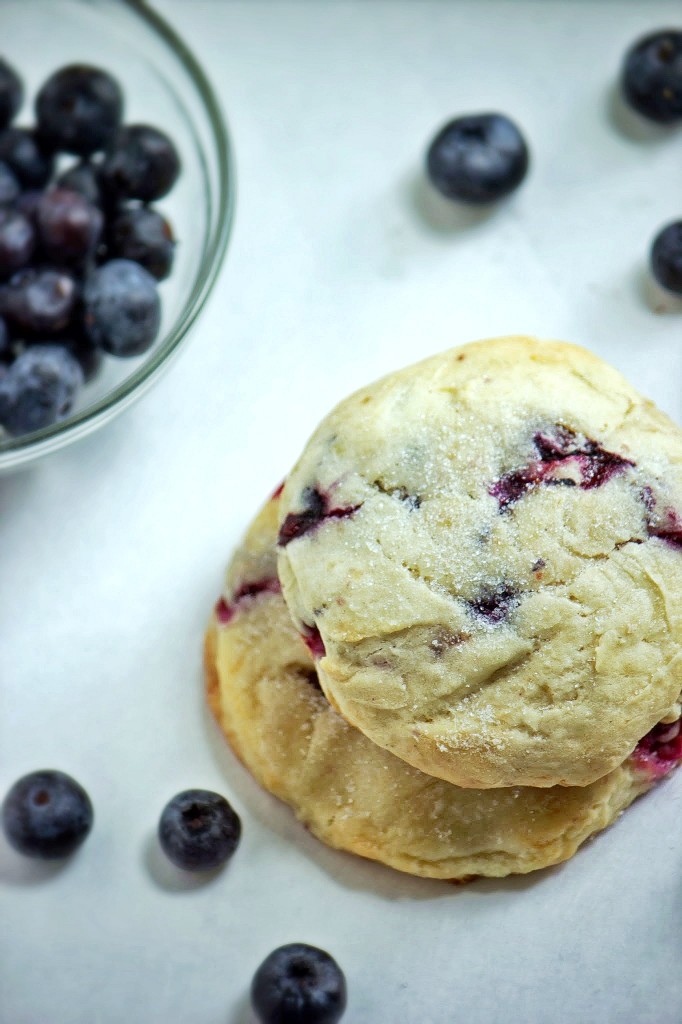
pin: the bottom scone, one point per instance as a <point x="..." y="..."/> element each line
<point x="353" y="795"/>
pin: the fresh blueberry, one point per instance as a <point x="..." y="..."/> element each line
<point x="39" y="303"/>
<point x="79" y="109"/>
<point x="143" y="235"/>
<point x="46" y="814"/>
<point x="11" y="93"/>
<point x="122" y="308"/>
<point x="69" y="226"/>
<point x="198" y="830"/>
<point x="6" y="348"/>
<point x="17" y="241"/>
<point x="651" y="77"/>
<point x="27" y="203"/>
<point x="9" y="186"/>
<point x="39" y="388"/>
<point x="82" y="178"/>
<point x="24" y="156"/>
<point x="90" y="358"/>
<point x="478" y="159"/>
<point x="299" y="984"/>
<point x="142" y="163"/>
<point x="666" y="257"/>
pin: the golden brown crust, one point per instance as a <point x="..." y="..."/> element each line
<point x="211" y="672"/>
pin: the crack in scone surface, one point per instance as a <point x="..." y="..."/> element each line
<point x="354" y="795"/>
<point x="497" y="562"/>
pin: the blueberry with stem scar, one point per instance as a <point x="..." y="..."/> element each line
<point x="198" y="830"/>
<point x="299" y="984"/>
<point x="46" y="814"/>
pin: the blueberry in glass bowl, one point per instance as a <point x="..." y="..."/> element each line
<point x="125" y="166"/>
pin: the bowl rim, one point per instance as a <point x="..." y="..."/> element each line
<point x="15" y="452"/>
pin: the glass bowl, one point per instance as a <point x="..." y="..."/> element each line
<point x="164" y="85"/>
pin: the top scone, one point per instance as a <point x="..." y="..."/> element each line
<point x="485" y="553"/>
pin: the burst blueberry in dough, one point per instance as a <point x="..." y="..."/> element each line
<point x="263" y="687"/>
<point x="484" y="553"/>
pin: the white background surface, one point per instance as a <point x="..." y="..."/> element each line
<point x="341" y="267"/>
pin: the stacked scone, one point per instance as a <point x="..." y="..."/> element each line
<point x="452" y="641"/>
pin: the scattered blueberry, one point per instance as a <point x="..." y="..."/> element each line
<point x="79" y="110"/>
<point x="11" y="93"/>
<point x="122" y="308"/>
<point x="9" y="186"/>
<point x="143" y="235"/>
<point x="142" y="163"/>
<point x="299" y="984"/>
<point x="666" y="257"/>
<point x="68" y="225"/>
<point x="651" y="77"/>
<point x="82" y="178"/>
<point x="39" y="388"/>
<point x="22" y="153"/>
<point x="46" y="814"/>
<point x="17" y="241"/>
<point x="39" y="303"/>
<point x="198" y="830"/>
<point x="478" y="159"/>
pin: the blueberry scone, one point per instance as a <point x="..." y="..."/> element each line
<point x="483" y="553"/>
<point x="264" y="689"/>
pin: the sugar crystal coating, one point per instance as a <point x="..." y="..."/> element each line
<point x="521" y="497"/>
<point x="262" y="684"/>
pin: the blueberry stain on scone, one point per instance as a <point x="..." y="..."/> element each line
<point x="666" y="526"/>
<point x="660" y="750"/>
<point x="496" y="604"/>
<point x="671" y="531"/>
<point x="596" y="464"/>
<point x="443" y="641"/>
<point x="312" y="638"/>
<point x="226" y="610"/>
<point x="532" y="535"/>
<point x="356" y="796"/>
<point x="317" y="509"/>
<point x="563" y="460"/>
